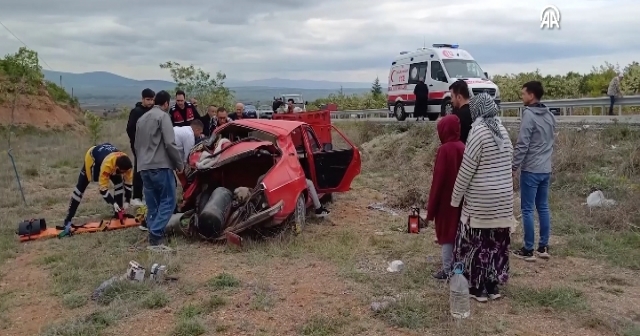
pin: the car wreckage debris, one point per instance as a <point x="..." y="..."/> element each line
<point x="212" y="218"/>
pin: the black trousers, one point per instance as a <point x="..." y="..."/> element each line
<point x="613" y="100"/>
<point x="137" y="179"/>
<point x="83" y="182"/>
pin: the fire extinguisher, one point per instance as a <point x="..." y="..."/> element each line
<point x="413" y="223"/>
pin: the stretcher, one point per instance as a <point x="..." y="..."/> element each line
<point x="36" y="229"/>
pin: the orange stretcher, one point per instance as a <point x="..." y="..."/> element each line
<point x="41" y="232"/>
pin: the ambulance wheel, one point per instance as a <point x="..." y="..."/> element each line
<point x="433" y="116"/>
<point x="446" y="108"/>
<point x="399" y="112"/>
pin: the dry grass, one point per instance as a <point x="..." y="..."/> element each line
<point x="322" y="282"/>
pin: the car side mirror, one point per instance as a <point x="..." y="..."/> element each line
<point x="486" y="74"/>
<point x="306" y="103"/>
<point x="327" y="147"/>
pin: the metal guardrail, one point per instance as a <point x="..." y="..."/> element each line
<point x="563" y="106"/>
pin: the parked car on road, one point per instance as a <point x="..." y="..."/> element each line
<point x="265" y="112"/>
<point x="250" y="112"/>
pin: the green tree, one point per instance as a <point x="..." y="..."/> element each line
<point x="23" y="71"/>
<point x="199" y="84"/>
<point x="376" y="88"/>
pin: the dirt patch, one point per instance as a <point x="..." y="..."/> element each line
<point x="31" y="305"/>
<point x="39" y="111"/>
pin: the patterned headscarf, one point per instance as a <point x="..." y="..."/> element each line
<point x="483" y="106"/>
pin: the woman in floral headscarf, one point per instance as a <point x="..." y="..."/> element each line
<point x="485" y="183"/>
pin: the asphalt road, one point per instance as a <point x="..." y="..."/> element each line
<point x="634" y="119"/>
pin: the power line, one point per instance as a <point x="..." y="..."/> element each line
<point x="17" y="38"/>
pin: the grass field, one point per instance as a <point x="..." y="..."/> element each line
<point x="322" y="282"/>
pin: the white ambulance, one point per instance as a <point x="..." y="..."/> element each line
<point x="440" y="66"/>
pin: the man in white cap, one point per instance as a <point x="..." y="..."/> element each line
<point x="614" y="91"/>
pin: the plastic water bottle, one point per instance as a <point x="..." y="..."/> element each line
<point x="459" y="293"/>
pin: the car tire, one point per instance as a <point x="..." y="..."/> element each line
<point x="299" y="219"/>
<point x="398" y="111"/>
<point x="446" y="108"/>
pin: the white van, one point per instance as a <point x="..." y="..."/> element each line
<point x="441" y="65"/>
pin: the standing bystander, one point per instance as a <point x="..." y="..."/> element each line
<point x="532" y="155"/>
<point x="460" y="101"/>
<point x="158" y="156"/>
<point x="141" y="108"/>
<point x="614" y="91"/>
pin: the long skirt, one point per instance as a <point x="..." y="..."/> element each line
<point x="484" y="254"/>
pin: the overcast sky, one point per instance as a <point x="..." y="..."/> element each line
<point x="346" y="40"/>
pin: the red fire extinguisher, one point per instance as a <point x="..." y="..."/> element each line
<point x="413" y="223"/>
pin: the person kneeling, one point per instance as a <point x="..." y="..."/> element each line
<point x="104" y="163"/>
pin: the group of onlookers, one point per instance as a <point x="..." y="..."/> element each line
<point x="161" y="136"/>
<point x="279" y="106"/>
<point x="471" y="198"/>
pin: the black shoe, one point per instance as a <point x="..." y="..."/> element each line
<point x="493" y="291"/>
<point x="441" y="275"/>
<point x="478" y="295"/>
<point x="322" y="212"/>
<point x="543" y="252"/>
<point x="525" y="254"/>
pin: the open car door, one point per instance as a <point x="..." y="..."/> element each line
<point x="334" y="166"/>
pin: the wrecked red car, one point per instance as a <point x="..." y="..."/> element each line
<point x="253" y="173"/>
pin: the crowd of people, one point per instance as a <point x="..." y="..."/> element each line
<point x="472" y="196"/>
<point x="161" y="136"/>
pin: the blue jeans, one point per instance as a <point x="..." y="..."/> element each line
<point x="534" y="191"/>
<point x="159" y="186"/>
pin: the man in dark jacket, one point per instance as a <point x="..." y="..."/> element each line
<point x="141" y="108"/>
<point x="460" y="101"/>
<point x="421" y="91"/>
<point x="183" y="112"/>
<point x="277" y="103"/>
<point x="209" y="120"/>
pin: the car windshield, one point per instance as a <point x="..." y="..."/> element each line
<point x="457" y="68"/>
<point x="264" y="108"/>
<point x="249" y="107"/>
<point x="296" y="99"/>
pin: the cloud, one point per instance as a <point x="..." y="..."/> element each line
<point x="352" y="40"/>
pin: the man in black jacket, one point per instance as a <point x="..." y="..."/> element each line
<point x="277" y="103"/>
<point x="183" y="112"/>
<point x="460" y="101"/>
<point x="209" y="120"/>
<point x="141" y="108"/>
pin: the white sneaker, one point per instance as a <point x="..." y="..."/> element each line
<point x="136" y="202"/>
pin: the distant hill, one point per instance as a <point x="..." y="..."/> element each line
<point x="105" y="88"/>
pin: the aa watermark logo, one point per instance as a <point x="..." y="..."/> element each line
<point x="550" y="18"/>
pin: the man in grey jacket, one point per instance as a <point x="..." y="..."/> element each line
<point x="158" y="156"/>
<point x="532" y="155"/>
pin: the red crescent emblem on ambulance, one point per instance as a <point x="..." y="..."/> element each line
<point x="447" y="53"/>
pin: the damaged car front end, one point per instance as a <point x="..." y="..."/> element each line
<point x="223" y="190"/>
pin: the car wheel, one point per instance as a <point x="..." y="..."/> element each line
<point x="399" y="112"/>
<point x="446" y="108"/>
<point x="300" y="215"/>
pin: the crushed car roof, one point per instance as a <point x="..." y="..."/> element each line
<point x="276" y="127"/>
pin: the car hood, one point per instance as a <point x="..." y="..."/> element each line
<point x="233" y="152"/>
